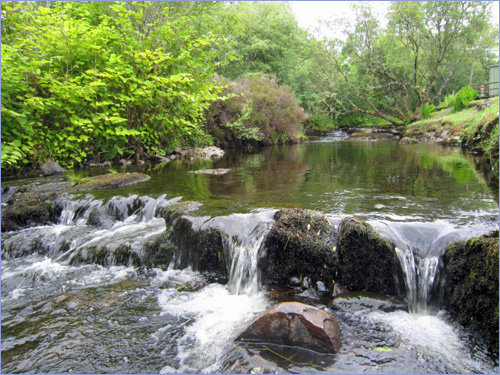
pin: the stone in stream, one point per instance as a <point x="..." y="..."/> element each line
<point x="366" y="261"/>
<point x="295" y="324"/>
<point x="299" y="243"/>
<point x="31" y="210"/>
<point x="51" y="168"/>
<point x="471" y="286"/>
<point x="202" y="249"/>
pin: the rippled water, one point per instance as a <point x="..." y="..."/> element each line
<point x="85" y="318"/>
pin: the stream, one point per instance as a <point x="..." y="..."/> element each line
<point x="60" y="315"/>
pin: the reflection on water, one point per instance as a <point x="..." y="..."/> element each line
<point x="371" y="180"/>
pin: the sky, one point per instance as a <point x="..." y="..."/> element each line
<point x="308" y="13"/>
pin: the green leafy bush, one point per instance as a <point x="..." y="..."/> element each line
<point x="427" y="110"/>
<point x="79" y="84"/>
<point x="463" y="97"/>
<point x="448" y="101"/>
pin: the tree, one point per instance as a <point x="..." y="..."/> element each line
<point x="393" y="73"/>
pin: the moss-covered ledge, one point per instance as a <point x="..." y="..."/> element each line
<point x="471" y="286"/>
<point x="41" y="205"/>
<point x="108" y="181"/>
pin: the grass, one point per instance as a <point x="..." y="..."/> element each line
<point x="73" y="176"/>
<point x="476" y="128"/>
<point x="464" y="123"/>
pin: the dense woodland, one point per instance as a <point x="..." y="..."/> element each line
<point x="106" y="80"/>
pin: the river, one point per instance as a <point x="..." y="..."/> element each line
<point x="58" y="317"/>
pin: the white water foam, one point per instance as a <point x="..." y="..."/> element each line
<point x="433" y="337"/>
<point x="217" y="315"/>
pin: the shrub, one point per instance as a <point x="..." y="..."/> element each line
<point x="448" y="101"/>
<point x="427" y="110"/>
<point x="75" y="89"/>
<point x="464" y="97"/>
<point x="255" y="110"/>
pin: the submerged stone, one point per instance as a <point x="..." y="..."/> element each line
<point x="108" y="181"/>
<point x="296" y="324"/>
<point x="471" y="286"/>
<point x="215" y="172"/>
<point x="367" y="262"/>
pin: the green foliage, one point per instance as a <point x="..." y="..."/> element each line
<point x="448" y="100"/>
<point x="88" y="80"/>
<point x="427" y="110"/>
<point x="255" y="110"/>
<point x="463" y="97"/>
<point x="73" y="176"/>
<point x="320" y="123"/>
<point x="393" y="72"/>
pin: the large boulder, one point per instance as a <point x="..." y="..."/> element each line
<point x="295" y="324"/>
<point x="193" y="245"/>
<point x="471" y="286"/>
<point x="366" y="261"/>
<point x="299" y="244"/>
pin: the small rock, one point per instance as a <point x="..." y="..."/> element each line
<point x="321" y="288"/>
<point x="306" y="283"/>
<point x="215" y="172"/>
<point x="124" y="162"/>
<point x="338" y="290"/>
<point x="51" y="168"/>
<point x="294" y="281"/>
<point x="308" y="296"/>
<point x="296" y="324"/>
<point x="159" y="159"/>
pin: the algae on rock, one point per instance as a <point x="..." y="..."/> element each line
<point x="366" y="261"/>
<point x="471" y="286"/>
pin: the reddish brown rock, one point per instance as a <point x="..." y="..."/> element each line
<point x="296" y="324"/>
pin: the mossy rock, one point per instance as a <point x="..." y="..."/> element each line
<point x="202" y="249"/>
<point x="299" y="244"/>
<point x="122" y="255"/>
<point x="158" y="252"/>
<point x="471" y="286"/>
<point x="366" y="261"/>
<point x="176" y="210"/>
<point x="31" y="210"/>
<point x="108" y="181"/>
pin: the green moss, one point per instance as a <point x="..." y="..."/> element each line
<point x="108" y="181"/>
<point x="367" y="261"/>
<point x="471" y="286"/>
<point x="299" y="244"/>
<point x="31" y="209"/>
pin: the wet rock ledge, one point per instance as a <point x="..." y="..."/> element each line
<point x="471" y="286"/>
<point x="31" y="205"/>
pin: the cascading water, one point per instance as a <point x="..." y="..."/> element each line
<point x="150" y="318"/>
<point x="243" y="235"/>
<point x="419" y="247"/>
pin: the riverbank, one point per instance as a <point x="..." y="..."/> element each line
<point x="475" y="128"/>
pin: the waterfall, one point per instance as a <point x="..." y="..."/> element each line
<point x="421" y="276"/>
<point x="419" y="248"/>
<point x="243" y="242"/>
